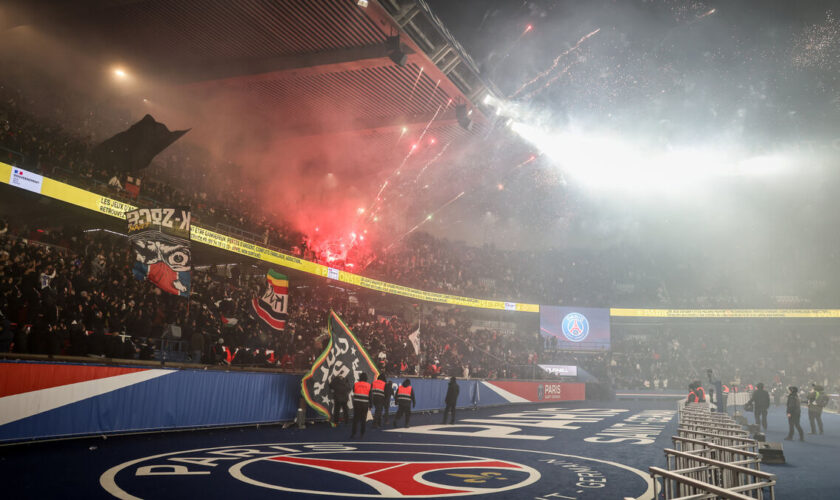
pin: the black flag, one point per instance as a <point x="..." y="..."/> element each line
<point x="133" y="149"/>
<point x="343" y="356"/>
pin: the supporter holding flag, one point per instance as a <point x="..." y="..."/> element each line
<point x="133" y="149"/>
<point x="344" y="356"/>
<point x="272" y="307"/>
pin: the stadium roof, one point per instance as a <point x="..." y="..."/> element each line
<point x="317" y="67"/>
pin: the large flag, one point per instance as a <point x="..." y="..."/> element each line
<point x="161" y="241"/>
<point x="133" y="149"/>
<point x="272" y="307"/>
<point x="343" y="356"/>
<point x="415" y="340"/>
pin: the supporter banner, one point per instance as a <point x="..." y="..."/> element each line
<point x="160" y="237"/>
<point x="343" y="356"/>
<point x="50" y="400"/>
<point x="726" y="313"/>
<point x="273" y="305"/>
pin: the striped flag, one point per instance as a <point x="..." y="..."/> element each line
<point x="272" y="307"/>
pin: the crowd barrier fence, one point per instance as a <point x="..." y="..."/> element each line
<point x="49" y="400"/>
<point x="713" y="457"/>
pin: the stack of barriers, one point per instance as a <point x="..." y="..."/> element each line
<point x="713" y="457"/>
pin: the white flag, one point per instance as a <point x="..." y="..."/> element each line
<point x="415" y="340"/>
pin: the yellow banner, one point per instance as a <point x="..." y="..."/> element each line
<point x="114" y="208"/>
<point x="725" y="313"/>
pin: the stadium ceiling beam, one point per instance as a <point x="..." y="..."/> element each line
<point x="234" y="73"/>
<point x="434" y="63"/>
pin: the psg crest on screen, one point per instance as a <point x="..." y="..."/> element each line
<point x="575" y="327"/>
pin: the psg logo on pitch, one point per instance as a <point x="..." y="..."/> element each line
<point x="575" y="327"/>
<point x="298" y="471"/>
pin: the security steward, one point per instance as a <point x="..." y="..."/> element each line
<point x="701" y="393"/>
<point x="793" y="413"/>
<point x="451" y="400"/>
<point x="361" y="403"/>
<point x="405" y="401"/>
<point x="692" y="394"/>
<point x="760" y="400"/>
<point x="817" y="399"/>
<point x="378" y="395"/>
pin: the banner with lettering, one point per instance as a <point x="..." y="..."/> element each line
<point x="344" y="356"/>
<point x="161" y="241"/>
<point x="272" y="307"/>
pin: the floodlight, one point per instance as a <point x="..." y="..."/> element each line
<point x="395" y="51"/>
<point x="463" y="116"/>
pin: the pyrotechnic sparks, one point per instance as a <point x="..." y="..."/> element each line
<point x="426" y="128"/>
<point x="555" y="63"/>
<point x="432" y="95"/>
<point x="419" y="74"/>
<point x="426" y="219"/>
<point x="550" y="82"/>
<point x="527" y="30"/>
<point x="433" y="160"/>
<point x="818" y="46"/>
<point x="707" y="14"/>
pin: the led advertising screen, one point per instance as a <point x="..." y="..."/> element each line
<point x="575" y="328"/>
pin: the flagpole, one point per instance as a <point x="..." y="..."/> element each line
<point x="422" y="352"/>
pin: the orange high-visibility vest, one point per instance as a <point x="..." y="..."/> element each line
<point x="404" y="394"/>
<point x="361" y="391"/>
<point x="379" y="388"/>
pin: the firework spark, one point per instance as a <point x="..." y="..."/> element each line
<point x="818" y="46"/>
<point x="433" y="160"/>
<point x="413" y="87"/>
<point x="707" y="14"/>
<point x="554" y="64"/>
<point x="426" y="219"/>
<point x="527" y="30"/>
<point x="550" y="82"/>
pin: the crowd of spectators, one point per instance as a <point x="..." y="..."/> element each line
<point x="72" y="293"/>
<point x="57" y="143"/>
<point x="771" y="352"/>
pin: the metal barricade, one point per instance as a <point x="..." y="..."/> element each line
<point x="713" y="457"/>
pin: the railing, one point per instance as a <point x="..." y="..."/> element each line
<point x="713" y="457"/>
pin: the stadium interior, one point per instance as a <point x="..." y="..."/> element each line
<point x="602" y="234"/>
